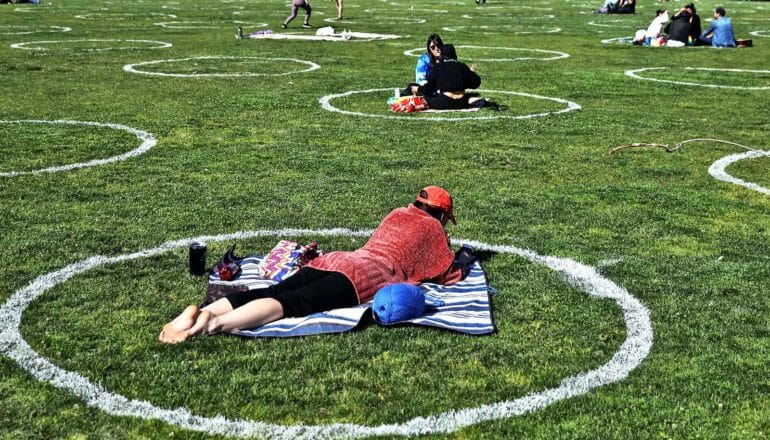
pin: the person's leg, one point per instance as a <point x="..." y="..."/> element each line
<point x="339" y="9"/>
<point x="308" y="11"/>
<point x="253" y="314"/>
<point x="318" y="291"/>
<point x="292" y="15"/>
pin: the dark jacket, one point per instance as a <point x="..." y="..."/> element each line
<point x="452" y="76"/>
<point x="679" y="27"/>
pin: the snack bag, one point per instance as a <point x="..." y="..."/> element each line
<point x="282" y="261"/>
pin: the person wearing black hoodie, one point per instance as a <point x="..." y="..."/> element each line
<point x="451" y="78"/>
<point x="684" y="25"/>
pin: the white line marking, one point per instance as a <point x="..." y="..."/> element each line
<point x="558" y="55"/>
<point x="717" y="169"/>
<point x="636" y="347"/>
<point x="35" y="29"/>
<point x="148" y="141"/>
<point x="160" y="44"/>
<point x="130" y="67"/>
<point x="633" y="74"/>
<point x="491" y="29"/>
<point x="326" y="105"/>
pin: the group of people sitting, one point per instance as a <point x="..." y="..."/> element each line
<point x="617" y="7"/>
<point x="441" y="81"/>
<point x="684" y="29"/>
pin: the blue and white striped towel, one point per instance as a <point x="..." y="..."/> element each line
<point x="463" y="307"/>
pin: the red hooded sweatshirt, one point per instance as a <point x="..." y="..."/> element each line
<point x="409" y="246"/>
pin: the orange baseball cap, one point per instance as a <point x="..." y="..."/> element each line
<point x="437" y="197"/>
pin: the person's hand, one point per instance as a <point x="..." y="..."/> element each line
<point x="473" y="67"/>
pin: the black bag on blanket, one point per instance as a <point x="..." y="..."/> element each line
<point x="227" y="268"/>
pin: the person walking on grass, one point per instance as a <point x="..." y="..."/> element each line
<point x="338" y="4"/>
<point x="409" y="246"/>
<point x="295" y="5"/>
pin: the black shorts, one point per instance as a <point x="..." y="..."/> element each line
<point x="306" y="292"/>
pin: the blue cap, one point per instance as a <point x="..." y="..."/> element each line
<point x="398" y="302"/>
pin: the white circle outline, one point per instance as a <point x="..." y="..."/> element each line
<point x="632" y="74"/>
<point x="559" y="55"/>
<point x="117" y="16"/>
<point x="130" y="67"/>
<point x="148" y="141"/>
<point x="631" y="353"/>
<point x="495" y="29"/>
<point x="380" y="20"/>
<point x="506" y="17"/>
<point x="161" y="44"/>
<point x="717" y="169"/>
<point x="325" y="102"/>
<point x="34" y="31"/>
<point x="618" y="40"/>
<point x="174" y="24"/>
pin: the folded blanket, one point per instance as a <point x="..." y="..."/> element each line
<point x="462" y="307"/>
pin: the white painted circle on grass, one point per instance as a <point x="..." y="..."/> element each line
<point x="204" y="24"/>
<point x="635" y="348"/>
<point x="717" y="169"/>
<point x="507" y="17"/>
<point x="30" y="29"/>
<point x="491" y="29"/>
<point x="36" y="45"/>
<point x="380" y="20"/>
<point x="131" y="67"/>
<point x="121" y="16"/>
<point x="634" y="74"/>
<point x="326" y="105"/>
<point x="407" y="9"/>
<point x="148" y="141"/>
<point x="608" y="23"/>
<point x="556" y="55"/>
<point x="618" y="40"/>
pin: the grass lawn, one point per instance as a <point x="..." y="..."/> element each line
<point x="263" y="135"/>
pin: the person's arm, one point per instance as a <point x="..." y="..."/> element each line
<point x="422" y="69"/>
<point x="472" y="79"/>
<point x="709" y="30"/>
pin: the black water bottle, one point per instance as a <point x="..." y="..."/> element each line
<point x="197" y="255"/>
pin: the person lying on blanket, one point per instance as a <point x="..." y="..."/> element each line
<point x="409" y="246"/>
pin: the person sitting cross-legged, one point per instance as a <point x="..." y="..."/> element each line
<point x="720" y="32"/>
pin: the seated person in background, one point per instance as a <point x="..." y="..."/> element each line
<point x="617" y="7"/>
<point x="720" y="32"/>
<point x="651" y="35"/>
<point x="425" y="63"/>
<point x="684" y="26"/>
<point x="625" y="7"/>
<point x="451" y="78"/>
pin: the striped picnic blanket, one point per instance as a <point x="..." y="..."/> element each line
<point x="462" y="307"/>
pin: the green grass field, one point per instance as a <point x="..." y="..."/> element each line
<point x="260" y="153"/>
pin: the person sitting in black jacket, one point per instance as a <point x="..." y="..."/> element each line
<point x="684" y="25"/>
<point x="450" y="78"/>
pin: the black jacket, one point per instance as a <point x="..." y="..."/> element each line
<point x="452" y="76"/>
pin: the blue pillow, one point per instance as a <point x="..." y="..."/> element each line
<point x="398" y="302"/>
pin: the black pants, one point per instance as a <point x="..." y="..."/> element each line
<point x="306" y="292"/>
<point x="443" y="102"/>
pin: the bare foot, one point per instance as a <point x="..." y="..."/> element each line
<point x="171" y="331"/>
<point x="201" y="324"/>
